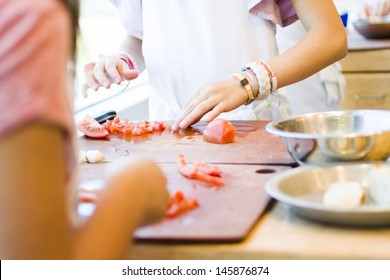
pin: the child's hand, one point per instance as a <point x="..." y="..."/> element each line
<point x="153" y="186"/>
<point x="109" y="70"/>
<point x="141" y="186"/>
<point x="210" y="100"/>
<point x="382" y="8"/>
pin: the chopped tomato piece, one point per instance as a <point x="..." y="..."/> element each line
<point x="87" y="196"/>
<point x="126" y="127"/>
<point x="204" y="172"/>
<point x="179" y="203"/>
<point x="91" y="128"/>
<point x="219" y="131"/>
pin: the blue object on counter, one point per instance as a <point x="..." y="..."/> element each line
<point x="344" y="19"/>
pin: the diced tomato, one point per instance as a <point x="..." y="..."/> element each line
<point x="91" y="128"/>
<point x="219" y="131"/>
<point x="136" y="131"/>
<point x="158" y="126"/>
<point x="204" y="172"/>
<point x="179" y="204"/>
<point x="86" y="196"/>
<point x="126" y="127"/>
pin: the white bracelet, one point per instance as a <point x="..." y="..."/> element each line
<point x="274" y="81"/>
<point x="263" y="78"/>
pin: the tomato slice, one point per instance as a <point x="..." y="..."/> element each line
<point x="219" y="131"/>
<point x="91" y="128"/>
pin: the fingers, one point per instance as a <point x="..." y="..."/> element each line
<point x="114" y="68"/>
<point x="100" y="74"/>
<point x="130" y="74"/>
<point x="208" y="103"/>
<point x="109" y="70"/>
<point x="214" y="113"/>
<point x="211" y="100"/>
<point x="386" y="8"/>
<point x="382" y="8"/>
<point x="367" y="10"/>
<point x="197" y="99"/>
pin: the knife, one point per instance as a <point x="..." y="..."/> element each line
<point x="110" y="115"/>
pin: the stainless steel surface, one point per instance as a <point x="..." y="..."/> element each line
<point x="375" y="27"/>
<point x="303" y="188"/>
<point x="329" y="138"/>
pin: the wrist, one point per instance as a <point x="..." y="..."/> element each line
<point x="245" y="83"/>
<point x="129" y="60"/>
<point x="266" y="78"/>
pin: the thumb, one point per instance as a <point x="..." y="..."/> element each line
<point x="130" y="74"/>
<point x="89" y="67"/>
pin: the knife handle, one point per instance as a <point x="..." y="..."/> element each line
<point x="105" y="117"/>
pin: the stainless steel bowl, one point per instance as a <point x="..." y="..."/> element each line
<point x="303" y="189"/>
<point x="375" y="27"/>
<point x="328" y="138"/>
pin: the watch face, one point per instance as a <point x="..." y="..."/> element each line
<point x="244" y="81"/>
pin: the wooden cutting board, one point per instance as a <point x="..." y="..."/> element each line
<point x="253" y="145"/>
<point x="224" y="214"/>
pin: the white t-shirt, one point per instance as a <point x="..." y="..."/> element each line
<point x="192" y="42"/>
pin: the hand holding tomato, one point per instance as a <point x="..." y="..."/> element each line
<point x="109" y="70"/>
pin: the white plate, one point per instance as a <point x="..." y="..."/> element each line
<point x="302" y="189"/>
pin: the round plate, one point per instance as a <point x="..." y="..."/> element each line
<point x="302" y="189"/>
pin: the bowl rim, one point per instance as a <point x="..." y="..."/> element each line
<point x="372" y="20"/>
<point x="270" y="127"/>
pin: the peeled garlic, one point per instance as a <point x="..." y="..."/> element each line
<point x="378" y="180"/>
<point x="82" y="157"/>
<point x="95" y="156"/>
<point x="344" y="194"/>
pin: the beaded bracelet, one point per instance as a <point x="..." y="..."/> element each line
<point x="245" y="83"/>
<point x="129" y="60"/>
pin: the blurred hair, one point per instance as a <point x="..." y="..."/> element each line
<point x="73" y="7"/>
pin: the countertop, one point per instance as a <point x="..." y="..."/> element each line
<point x="357" y="42"/>
<point x="276" y="234"/>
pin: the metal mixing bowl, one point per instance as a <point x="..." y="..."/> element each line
<point x="375" y="27"/>
<point x="328" y="138"/>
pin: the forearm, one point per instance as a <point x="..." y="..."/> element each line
<point x="133" y="46"/>
<point x="315" y="52"/>
<point x="324" y="44"/>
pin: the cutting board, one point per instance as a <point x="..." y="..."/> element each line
<point x="224" y="214"/>
<point x="253" y="145"/>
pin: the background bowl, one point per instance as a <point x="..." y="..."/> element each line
<point x="329" y="138"/>
<point x="375" y="27"/>
<point x="303" y="189"/>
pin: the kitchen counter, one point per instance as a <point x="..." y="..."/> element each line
<point x="280" y="234"/>
<point x="357" y="42"/>
<point x="277" y="233"/>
